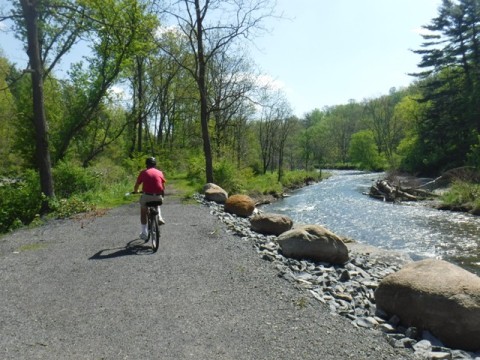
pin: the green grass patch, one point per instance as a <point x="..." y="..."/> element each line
<point x="32" y="247"/>
<point x="463" y="195"/>
<point x="105" y="186"/>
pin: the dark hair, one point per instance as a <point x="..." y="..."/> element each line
<point x="151" y="162"/>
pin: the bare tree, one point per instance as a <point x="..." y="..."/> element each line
<point x="211" y="27"/>
<point x="274" y="127"/>
<point x="229" y="99"/>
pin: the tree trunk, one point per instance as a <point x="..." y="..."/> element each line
<point x="30" y="15"/>
<point x="140" y="109"/>
<point x="207" y="149"/>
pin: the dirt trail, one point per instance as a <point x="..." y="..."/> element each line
<point x="89" y="289"/>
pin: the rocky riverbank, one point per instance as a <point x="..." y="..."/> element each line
<point x="346" y="290"/>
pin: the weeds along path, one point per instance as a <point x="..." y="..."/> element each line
<point x="89" y="289"/>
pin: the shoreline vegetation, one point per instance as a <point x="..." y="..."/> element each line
<point x="92" y="190"/>
<point x="456" y="190"/>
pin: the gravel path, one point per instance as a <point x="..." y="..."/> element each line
<point x="89" y="289"/>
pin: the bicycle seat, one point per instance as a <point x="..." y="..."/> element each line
<point x="154" y="203"/>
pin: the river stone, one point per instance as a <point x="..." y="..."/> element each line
<point x="313" y="242"/>
<point x="215" y="193"/>
<point x="437" y="296"/>
<point x="241" y="205"/>
<point x="270" y="224"/>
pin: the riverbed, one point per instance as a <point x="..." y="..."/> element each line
<point x="339" y="204"/>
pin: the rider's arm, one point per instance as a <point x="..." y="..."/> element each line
<point x="137" y="184"/>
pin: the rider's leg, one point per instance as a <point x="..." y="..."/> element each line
<point x="143" y="219"/>
<point x="160" y="218"/>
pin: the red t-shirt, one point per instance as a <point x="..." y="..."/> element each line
<point x="153" y="181"/>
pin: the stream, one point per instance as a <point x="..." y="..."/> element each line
<point x="339" y="204"/>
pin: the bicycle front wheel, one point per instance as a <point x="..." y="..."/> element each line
<point x="155" y="233"/>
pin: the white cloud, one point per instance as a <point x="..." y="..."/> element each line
<point x="119" y="94"/>
<point x="270" y="83"/>
<point x="166" y="30"/>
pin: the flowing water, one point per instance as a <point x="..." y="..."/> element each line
<point x="339" y="204"/>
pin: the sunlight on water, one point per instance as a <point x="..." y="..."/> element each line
<point x="339" y="204"/>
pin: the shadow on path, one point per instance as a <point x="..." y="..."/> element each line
<point x="133" y="247"/>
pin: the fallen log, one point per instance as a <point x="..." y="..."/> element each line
<point x="384" y="190"/>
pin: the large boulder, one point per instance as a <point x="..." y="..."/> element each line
<point x="270" y="224"/>
<point x="313" y="242"/>
<point x="215" y="193"/>
<point x="241" y="205"/>
<point x="437" y="296"/>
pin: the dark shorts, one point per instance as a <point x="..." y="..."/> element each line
<point x="147" y="198"/>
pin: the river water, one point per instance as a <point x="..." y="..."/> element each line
<point x="338" y="203"/>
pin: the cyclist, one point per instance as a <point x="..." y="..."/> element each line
<point x="153" y="185"/>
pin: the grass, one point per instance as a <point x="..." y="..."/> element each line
<point x="109" y="189"/>
<point x="32" y="247"/>
<point x="463" y="195"/>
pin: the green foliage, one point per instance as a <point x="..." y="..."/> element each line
<point x="297" y="179"/>
<point x="7" y="124"/>
<point x="196" y="169"/>
<point x="19" y="202"/>
<point x="473" y="157"/>
<point x="363" y="151"/>
<point x="65" y="208"/>
<point x="463" y="194"/>
<point x="226" y="175"/>
<point x="264" y="184"/>
<point x="72" y="179"/>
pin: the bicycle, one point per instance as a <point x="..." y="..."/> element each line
<point x="153" y="222"/>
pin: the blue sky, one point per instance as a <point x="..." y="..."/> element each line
<point x="326" y="52"/>
<point x="332" y="51"/>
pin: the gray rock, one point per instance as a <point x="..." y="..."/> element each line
<point x="271" y="224"/>
<point x="215" y="193"/>
<point x="436" y="295"/>
<point x="315" y="243"/>
<point x="352" y="298"/>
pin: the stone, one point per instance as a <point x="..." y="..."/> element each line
<point x="215" y="193"/>
<point x="270" y="224"/>
<point x="366" y="268"/>
<point x="313" y="242"/>
<point x="240" y="205"/>
<point x="437" y="296"/>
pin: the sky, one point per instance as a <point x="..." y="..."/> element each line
<point x="333" y="51"/>
<point x="328" y="52"/>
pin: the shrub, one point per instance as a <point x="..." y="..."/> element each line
<point x="227" y="176"/>
<point x="196" y="169"/>
<point x="65" y="208"/>
<point x="72" y="179"/>
<point x="463" y="194"/>
<point x="20" y="202"/>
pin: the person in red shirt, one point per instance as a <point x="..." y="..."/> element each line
<point x="153" y="187"/>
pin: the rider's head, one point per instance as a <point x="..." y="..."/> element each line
<point x="151" y="162"/>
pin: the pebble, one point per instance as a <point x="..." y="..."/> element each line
<point x="347" y="290"/>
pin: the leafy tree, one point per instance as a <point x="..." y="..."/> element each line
<point x="363" y="151"/>
<point x="7" y="112"/>
<point x="451" y="86"/>
<point x="118" y="30"/>
<point x="385" y="124"/>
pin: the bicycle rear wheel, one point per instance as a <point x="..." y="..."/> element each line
<point x="155" y="232"/>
